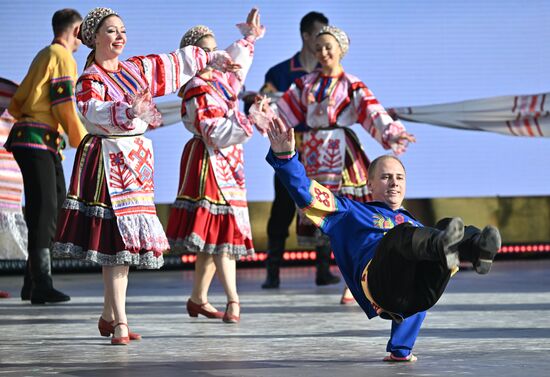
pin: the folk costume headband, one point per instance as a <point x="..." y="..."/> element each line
<point x="194" y="34"/>
<point x="88" y="28"/>
<point x="338" y="34"/>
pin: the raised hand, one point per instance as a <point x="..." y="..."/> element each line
<point x="281" y="139"/>
<point x="253" y="18"/>
<point x="252" y="28"/>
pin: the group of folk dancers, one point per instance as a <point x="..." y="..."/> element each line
<point x="394" y="267"/>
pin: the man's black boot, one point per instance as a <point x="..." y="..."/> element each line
<point x="477" y="246"/>
<point x="486" y="244"/>
<point x="434" y="244"/>
<point x="42" y="287"/>
<point x="324" y="276"/>
<point x="27" y="284"/>
<point x="273" y="264"/>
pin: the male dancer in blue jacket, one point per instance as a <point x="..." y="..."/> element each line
<point x="394" y="266"/>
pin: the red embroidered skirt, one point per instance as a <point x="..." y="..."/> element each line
<point x="87" y="227"/>
<point x="201" y="220"/>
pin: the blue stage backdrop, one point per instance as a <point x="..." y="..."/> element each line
<point x="408" y="52"/>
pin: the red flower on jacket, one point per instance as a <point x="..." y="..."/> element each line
<point x="399" y="219"/>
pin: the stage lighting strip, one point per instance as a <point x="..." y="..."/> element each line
<point x="520" y="249"/>
<point x="261" y="256"/>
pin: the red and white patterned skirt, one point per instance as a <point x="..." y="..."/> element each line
<point x="201" y="220"/>
<point x="87" y="226"/>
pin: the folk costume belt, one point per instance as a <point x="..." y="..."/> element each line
<point x="34" y="135"/>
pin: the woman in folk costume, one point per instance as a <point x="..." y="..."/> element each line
<point x="329" y="101"/>
<point x="210" y="214"/>
<point x="13" y="229"/>
<point x="109" y="215"/>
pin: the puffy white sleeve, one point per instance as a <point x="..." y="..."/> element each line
<point x="166" y="73"/>
<point x="375" y="120"/>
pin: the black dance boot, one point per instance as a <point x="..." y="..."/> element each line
<point x="478" y="246"/>
<point x="434" y="244"/>
<point x="273" y="263"/>
<point x="27" y="284"/>
<point x="486" y="244"/>
<point x="41" y="272"/>
<point x="324" y="276"/>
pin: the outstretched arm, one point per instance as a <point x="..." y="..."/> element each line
<point x="242" y="51"/>
<point x="378" y="123"/>
<point x="114" y="116"/>
<point x="166" y="73"/>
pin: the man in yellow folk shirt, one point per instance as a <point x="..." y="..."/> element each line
<point x="44" y="106"/>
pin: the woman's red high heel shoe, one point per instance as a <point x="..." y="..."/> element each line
<point x="107" y="329"/>
<point x="195" y="309"/>
<point x="230" y="318"/>
<point x="123" y="340"/>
